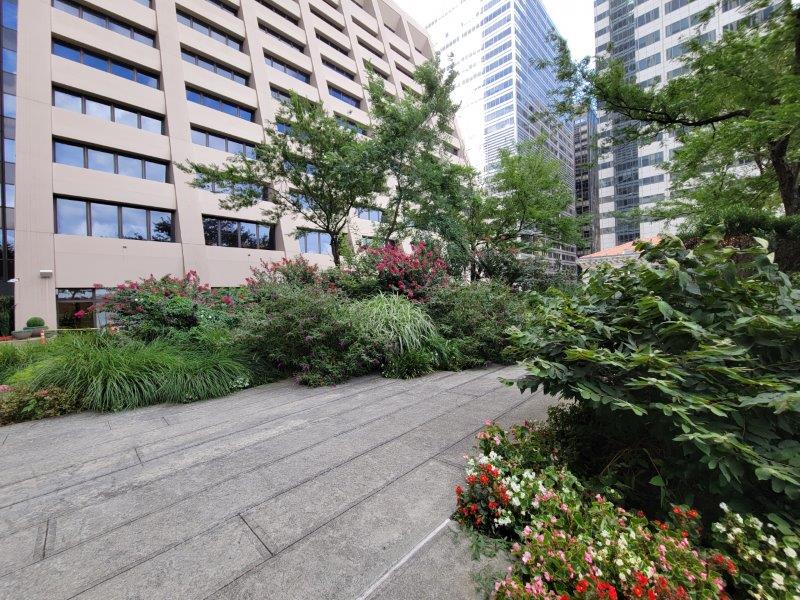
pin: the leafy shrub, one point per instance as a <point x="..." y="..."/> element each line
<point x="412" y="275"/>
<point x="476" y="318"/>
<point x="393" y="323"/>
<point x="409" y="364"/>
<point x="35" y="322"/>
<point x="688" y="364"/>
<point x="525" y="274"/>
<point x="304" y="331"/>
<point x="22" y="404"/>
<point x="109" y="373"/>
<point x="152" y="307"/>
<point x="293" y="271"/>
<point x="766" y="557"/>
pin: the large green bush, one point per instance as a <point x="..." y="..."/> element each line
<point x="476" y="318"/>
<point x="105" y="372"/>
<point x="304" y="331"/>
<point x="685" y="367"/>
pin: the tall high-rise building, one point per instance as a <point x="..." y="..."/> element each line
<point x="107" y="99"/>
<point x="648" y="37"/>
<point x="496" y="47"/>
<point x="586" y="180"/>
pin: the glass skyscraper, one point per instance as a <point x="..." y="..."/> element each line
<point x="496" y="46"/>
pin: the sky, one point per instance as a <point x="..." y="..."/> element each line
<point x="574" y="19"/>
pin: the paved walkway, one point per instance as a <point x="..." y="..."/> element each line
<point x="275" y="492"/>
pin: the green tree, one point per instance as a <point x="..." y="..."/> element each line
<point x="525" y="207"/>
<point x="410" y="134"/>
<point x="313" y="166"/>
<point x="737" y="105"/>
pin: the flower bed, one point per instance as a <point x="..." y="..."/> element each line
<point x="570" y="541"/>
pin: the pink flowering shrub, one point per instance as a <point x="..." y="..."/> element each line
<point x="412" y="275"/>
<point x="294" y="271"/>
<point x="153" y="306"/>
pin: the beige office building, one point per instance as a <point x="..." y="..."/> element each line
<point x="102" y="99"/>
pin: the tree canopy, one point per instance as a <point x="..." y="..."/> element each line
<point x="735" y="109"/>
<point x="314" y="166"/>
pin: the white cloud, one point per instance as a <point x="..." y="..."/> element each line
<point x="574" y="19"/>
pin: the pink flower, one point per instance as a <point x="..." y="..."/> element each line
<point x="227" y="300"/>
<point x="526" y="558"/>
<point x="80" y="314"/>
<point x="527" y="531"/>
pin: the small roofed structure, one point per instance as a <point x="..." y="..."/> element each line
<point x="615" y="256"/>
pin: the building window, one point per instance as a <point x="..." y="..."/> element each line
<point x="220" y="104"/>
<point x="77" y="10"/>
<point x="280" y="12"/>
<point x="207" y="30"/>
<point x="105" y="110"/>
<point x="351" y="125"/>
<point x="219" y="142"/>
<point x="282" y="38"/>
<point x="73" y="308"/>
<point x="279" y="94"/>
<point x="283" y="67"/>
<point x="314" y="242"/>
<point x="103" y="63"/>
<point x="232" y="233"/>
<point x="76" y="155"/>
<point x="225" y="6"/>
<point x="344" y="97"/>
<point x="342" y="71"/>
<point x="370" y="214"/>
<point x="214" y="67"/>
<point x="99" y="219"/>
<point x="331" y="44"/>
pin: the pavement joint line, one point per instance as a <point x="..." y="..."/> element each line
<point x="182" y="448"/>
<point x="383" y="383"/>
<point x="166" y="475"/>
<point x="248" y="507"/>
<point x="163" y="418"/>
<point x="399" y="564"/>
<point x="136" y="449"/>
<point x="259" y="538"/>
<point x="312" y="394"/>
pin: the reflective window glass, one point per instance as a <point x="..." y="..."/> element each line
<point x="71" y="216"/>
<point x="130" y="166"/>
<point x="68" y="154"/>
<point x="101" y="161"/>
<point x="160" y="226"/>
<point x="104" y="221"/>
<point x="134" y="223"/>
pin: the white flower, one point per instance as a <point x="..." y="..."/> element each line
<point x="772" y="541"/>
<point x="723" y="506"/>
<point x="790" y="552"/>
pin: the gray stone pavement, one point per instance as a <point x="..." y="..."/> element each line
<point x="279" y="491"/>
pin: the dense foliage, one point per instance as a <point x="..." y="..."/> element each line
<point x="412" y="275"/>
<point x="740" y="144"/>
<point x="684" y="368"/>
<point x="569" y="538"/>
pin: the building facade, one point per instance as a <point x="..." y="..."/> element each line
<point x="108" y="98"/>
<point x="648" y="37"/>
<point x="586" y="179"/>
<point x="495" y="47"/>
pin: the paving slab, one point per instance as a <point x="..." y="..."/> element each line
<point x="277" y="491"/>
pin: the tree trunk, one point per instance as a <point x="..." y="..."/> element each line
<point x="335" y="249"/>
<point x="786" y="172"/>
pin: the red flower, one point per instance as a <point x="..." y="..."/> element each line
<point x="640" y="578"/>
<point x="581" y="586"/>
<point x="692" y="513"/>
<point x="677" y="510"/>
<point x="484" y="479"/>
<point x="638" y="591"/>
<point x="651" y="594"/>
<point x="471" y="479"/>
<point x="459" y="490"/>
<point x="563" y="597"/>
<point x="662" y="581"/>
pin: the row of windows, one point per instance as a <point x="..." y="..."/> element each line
<point x="225" y="6"/>
<point x="649" y="61"/>
<point x="102" y="20"/>
<point x="104" y="63"/>
<point x="226" y="144"/>
<point x="342" y="71"/>
<point x="282" y="38"/>
<point x="109" y="112"/>
<point x="647" y="17"/>
<point x="210" y="31"/>
<point x="99" y="219"/>
<point x="214" y="67"/>
<point x="283" y="67"/>
<point x="370" y="214"/>
<point x="86" y="157"/>
<point x="330" y="43"/>
<point x="683" y="24"/>
<point x="314" y="242"/>
<point x="344" y="97"/>
<point x="220" y="104"/>
<point x="232" y="233"/>
<point x="650" y="38"/>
